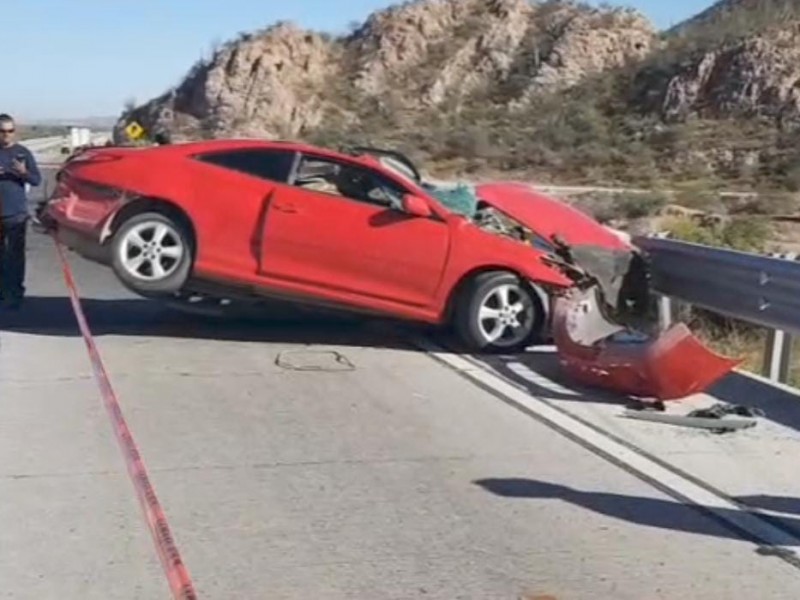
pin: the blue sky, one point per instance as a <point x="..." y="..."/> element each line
<point x="77" y="58"/>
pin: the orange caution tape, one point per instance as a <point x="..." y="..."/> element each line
<point x="178" y="577"/>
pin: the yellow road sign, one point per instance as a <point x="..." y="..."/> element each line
<point x="134" y="130"/>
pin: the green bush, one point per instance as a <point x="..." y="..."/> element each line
<point x="744" y="234"/>
<point x="637" y="206"/>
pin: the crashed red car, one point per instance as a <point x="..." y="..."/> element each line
<point x="355" y="229"/>
<point x="359" y="229"/>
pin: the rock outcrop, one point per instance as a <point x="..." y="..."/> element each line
<point x="271" y="83"/>
<point x="758" y="76"/>
<point x="285" y="82"/>
<point x="555" y="88"/>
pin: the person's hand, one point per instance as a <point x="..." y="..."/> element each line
<point x="19" y="167"/>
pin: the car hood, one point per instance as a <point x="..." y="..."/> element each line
<point x="547" y="216"/>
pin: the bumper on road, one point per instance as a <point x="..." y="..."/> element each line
<point x="670" y="366"/>
<point x="598" y="345"/>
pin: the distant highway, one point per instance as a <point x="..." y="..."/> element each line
<point x="36" y="145"/>
<point x="576" y="189"/>
<point x="47" y="150"/>
<point x="571" y="190"/>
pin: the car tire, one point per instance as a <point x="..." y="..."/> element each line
<point x="152" y="254"/>
<point x="498" y="301"/>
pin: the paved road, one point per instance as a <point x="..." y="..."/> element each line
<point x="397" y="479"/>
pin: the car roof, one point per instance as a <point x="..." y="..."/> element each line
<point x="221" y="145"/>
<point x="364" y="158"/>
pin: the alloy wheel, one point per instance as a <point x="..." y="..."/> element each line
<point x="506" y="315"/>
<point x="151" y="251"/>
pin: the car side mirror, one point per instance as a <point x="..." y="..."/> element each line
<point x="416" y="206"/>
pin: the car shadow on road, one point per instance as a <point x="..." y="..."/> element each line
<point x="647" y="512"/>
<point x="53" y="316"/>
<point x="536" y="371"/>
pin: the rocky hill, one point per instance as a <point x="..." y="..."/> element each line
<point x="403" y="62"/>
<point x="555" y="89"/>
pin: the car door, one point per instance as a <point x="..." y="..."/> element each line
<point x="344" y="240"/>
<point x="231" y="190"/>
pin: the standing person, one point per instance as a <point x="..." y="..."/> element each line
<point x="17" y="168"/>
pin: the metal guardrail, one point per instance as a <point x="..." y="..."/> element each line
<point x="38" y="144"/>
<point x="761" y="290"/>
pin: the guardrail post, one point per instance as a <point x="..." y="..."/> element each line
<point x="665" y="312"/>
<point x="778" y="355"/>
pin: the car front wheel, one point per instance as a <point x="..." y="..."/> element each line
<point x="152" y="254"/>
<point x="498" y="312"/>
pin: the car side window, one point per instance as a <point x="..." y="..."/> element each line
<point x="348" y="181"/>
<point x="272" y="165"/>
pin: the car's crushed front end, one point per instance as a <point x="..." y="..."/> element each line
<point x="605" y="327"/>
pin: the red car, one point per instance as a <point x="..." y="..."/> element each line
<point x="355" y="229"/>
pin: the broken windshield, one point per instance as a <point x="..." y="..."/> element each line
<point x="459" y="198"/>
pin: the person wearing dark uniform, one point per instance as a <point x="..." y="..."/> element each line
<point x="17" y="168"/>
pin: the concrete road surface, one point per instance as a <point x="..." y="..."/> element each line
<point x="392" y="479"/>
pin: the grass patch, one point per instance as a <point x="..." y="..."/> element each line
<point x="730" y="337"/>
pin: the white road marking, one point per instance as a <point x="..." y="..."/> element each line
<point x="678" y="486"/>
<point x="532" y="376"/>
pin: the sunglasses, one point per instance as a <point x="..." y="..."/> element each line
<point x="7" y="130"/>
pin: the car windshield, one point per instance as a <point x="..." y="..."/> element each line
<point x="459" y="198"/>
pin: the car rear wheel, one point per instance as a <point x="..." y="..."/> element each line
<point x="498" y="312"/>
<point x="152" y="254"/>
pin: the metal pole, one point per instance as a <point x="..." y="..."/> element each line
<point x="778" y="356"/>
<point x="665" y="313"/>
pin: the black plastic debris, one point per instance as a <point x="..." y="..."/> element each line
<point x="719" y="418"/>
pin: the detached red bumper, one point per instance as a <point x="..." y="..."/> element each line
<point x="670" y="367"/>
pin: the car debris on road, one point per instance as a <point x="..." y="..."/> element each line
<point x="606" y="337"/>
<point x="720" y="418"/>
